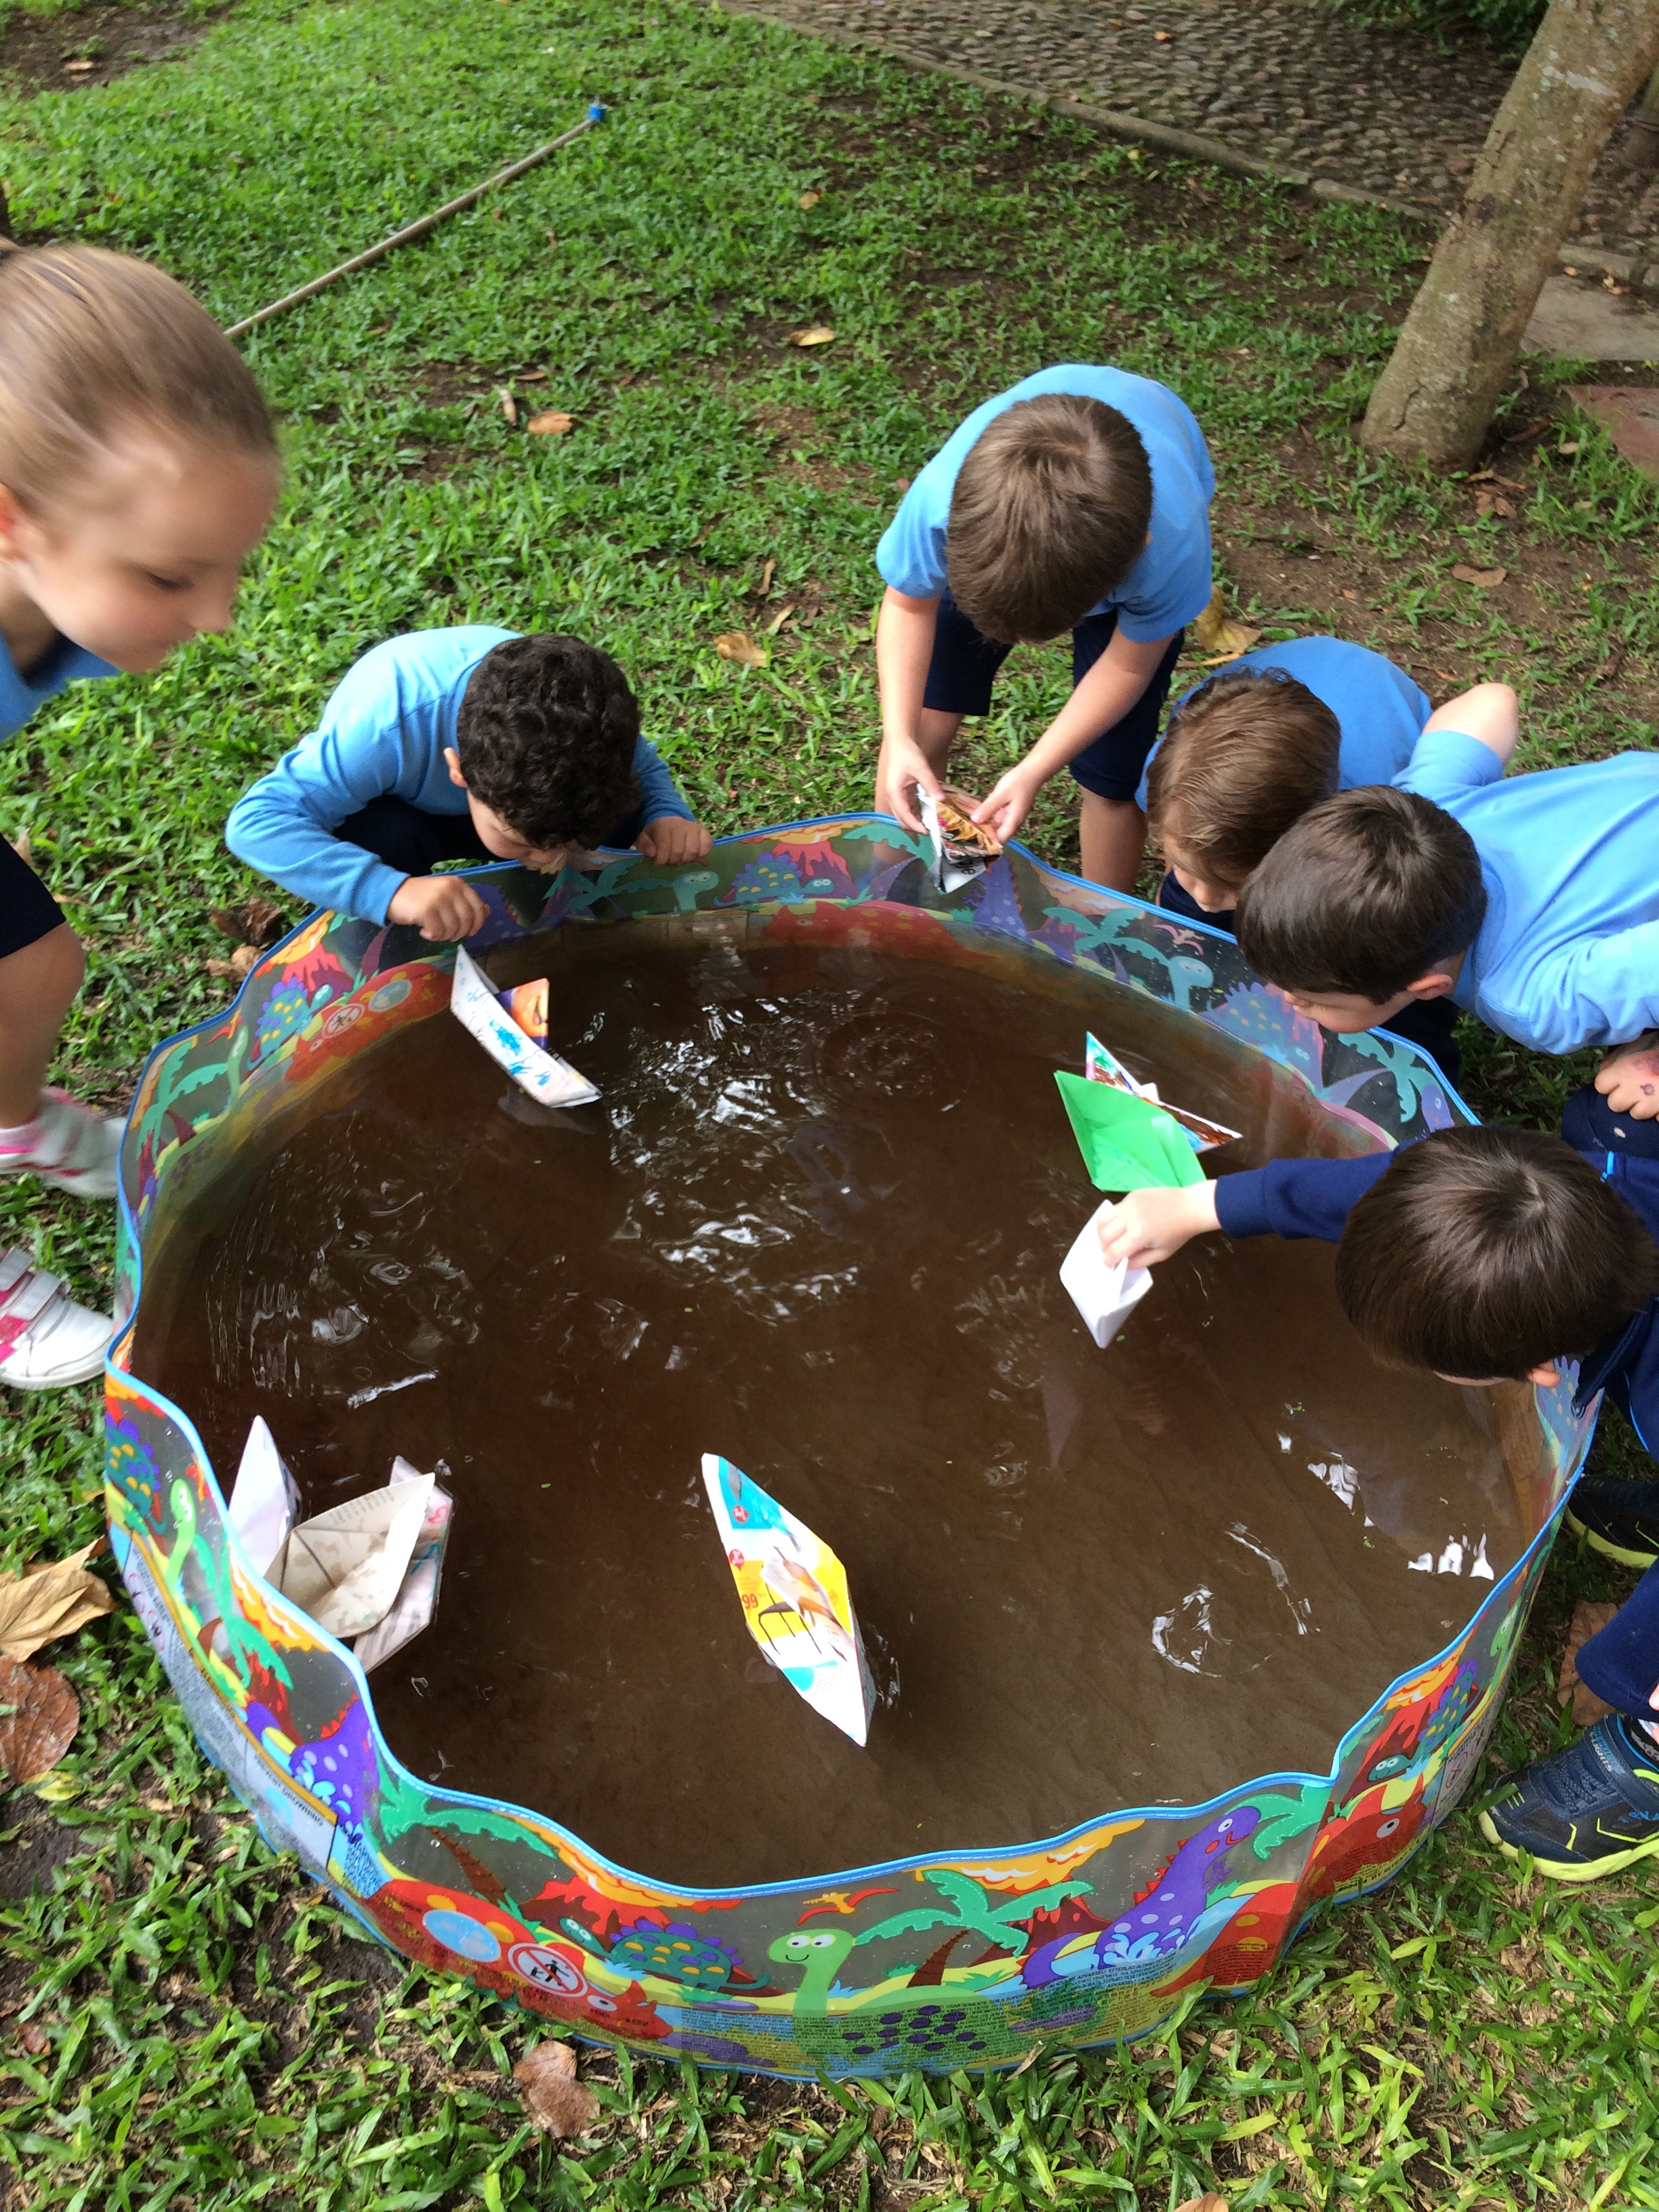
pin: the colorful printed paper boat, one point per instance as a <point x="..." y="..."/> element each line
<point x="794" y="1591"/>
<point x="961" y="850"/>
<point x="492" y="1017"/>
<point x="1128" y="1143"/>
<point x="1103" y="1296"/>
<point x="1102" y="1066"/>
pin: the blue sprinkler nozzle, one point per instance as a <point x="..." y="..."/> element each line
<point x="596" y="111"/>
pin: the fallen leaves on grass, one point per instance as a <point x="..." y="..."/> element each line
<point x="1487" y="501"/>
<point x="239" y="966"/>
<point x="778" y="621"/>
<point x="1217" y="635"/>
<point x="53" y="1597"/>
<point x="738" y="645"/>
<point x="553" y="424"/>
<point x="23" y="844"/>
<point x="1485" y="580"/>
<point x="1588" y="1619"/>
<point x="509" y="407"/>
<point x="815" y="334"/>
<point x="810" y="200"/>
<point x="1208" y="2203"/>
<point x="39" y="1716"/>
<point x="554" y="2099"/>
<point x="256" y="921"/>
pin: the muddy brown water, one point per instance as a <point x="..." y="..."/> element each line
<point x="814" y="1225"/>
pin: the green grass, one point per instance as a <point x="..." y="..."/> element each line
<point x="215" y="2034"/>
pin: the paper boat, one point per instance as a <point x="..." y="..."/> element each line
<point x="368" y="1569"/>
<point x="793" y="1592"/>
<point x="1104" y="1296"/>
<point x="484" y="1012"/>
<point x="1102" y="1066"/>
<point x="955" y="861"/>
<point x="1128" y="1143"/>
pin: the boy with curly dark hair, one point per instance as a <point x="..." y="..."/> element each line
<point x="471" y="744"/>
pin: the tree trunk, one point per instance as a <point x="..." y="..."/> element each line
<point x="1435" y="398"/>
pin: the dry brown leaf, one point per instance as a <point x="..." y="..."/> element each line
<point x="1215" y="632"/>
<point x="810" y="200"/>
<point x="1208" y="2203"/>
<point x="40" y="1726"/>
<point x="78" y="69"/>
<point x="1485" y="579"/>
<point x="738" y="645"/>
<point x="553" y="424"/>
<point x="767" y="574"/>
<point x="53" y="1597"/>
<point x="240" y="964"/>
<point x="256" y="921"/>
<point x="554" y="2099"/>
<point x="1568" y="446"/>
<point x="34" y="2040"/>
<point x="509" y="407"/>
<point x="1487" y="501"/>
<point x="1587" y="1618"/>
<point x="777" y="622"/>
<point x="1163" y="38"/>
<point x="814" y="334"/>
<point x="534" y="376"/>
<point x="23" y="844"/>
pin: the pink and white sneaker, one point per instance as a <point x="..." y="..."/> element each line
<point x="46" y="1339"/>
<point x="68" y="1144"/>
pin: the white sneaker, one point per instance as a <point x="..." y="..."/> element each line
<point x="77" y="1149"/>
<point x="46" y="1339"/>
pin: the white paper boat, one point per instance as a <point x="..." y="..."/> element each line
<point x="1104" y="1296"/>
<point x="473" y="1002"/>
<point x="346" y="1566"/>
<point x="794" y="1596"/>
<point x="265" y="1500"/>
<point x="417" y="1599"/>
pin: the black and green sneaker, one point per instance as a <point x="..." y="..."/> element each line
<point x="1619" y="1518"/>
<point x="1590" y="1810"/>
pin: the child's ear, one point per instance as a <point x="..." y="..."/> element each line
<point x="453" y="759"/>
<point x="1437" y="984"/>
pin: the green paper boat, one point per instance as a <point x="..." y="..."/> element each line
<point x="1127" y="1144"/>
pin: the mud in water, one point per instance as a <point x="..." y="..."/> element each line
<point x="814" y="1225"/>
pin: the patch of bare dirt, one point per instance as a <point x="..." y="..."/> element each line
<point x="91" y="46"/>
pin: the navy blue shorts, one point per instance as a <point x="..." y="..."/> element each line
<point x="28" y="911"/>
<point x="407" y="837"/>
<point x="1429" y="1024"/>
<point x="1620" y="1662"/>
<point x="964" y="665"/>
<point x="1589" y="1125"/>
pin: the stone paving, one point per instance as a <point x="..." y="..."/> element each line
<point x="1296" y="82"/>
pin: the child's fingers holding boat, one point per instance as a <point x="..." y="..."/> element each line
<point x="1152" y="1226"/>
<point x="904" y="770"/>
<point x="1010" y="799"/>
<point x="442" y="907"/>
<point x="671" y="839"/>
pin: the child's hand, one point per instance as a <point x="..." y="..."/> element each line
<point x="671" y="839"/>
<point x="1010" y="800"/>
<point x="1149" y="1225"/>
<point x="902" y="774"/>
<point x="441" y="907"/>
<point x="1629" y="1079"/>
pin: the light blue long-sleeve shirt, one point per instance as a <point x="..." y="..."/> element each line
<point x="63" y="664"/>
<point x="384" y="730"/>
<point x="1568" y="955"/>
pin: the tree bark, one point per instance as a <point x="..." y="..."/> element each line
<point x="1435" y="400"/>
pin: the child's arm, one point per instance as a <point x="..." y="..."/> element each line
<point x="672" y="832"/>
<point x="285" y="826"/>
<point x="904" y="650"/>
<point x="1489" y="713"/>
<point x="1292" y="1198"/>
<point x="1105" y="695"/>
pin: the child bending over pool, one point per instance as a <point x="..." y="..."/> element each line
<point x="1079" y="501"/>
<point x="471" y="743"/>
<point x="137" y="471"/>
<point x="1490" y="1254"/>
<point x="1251" y="750"/>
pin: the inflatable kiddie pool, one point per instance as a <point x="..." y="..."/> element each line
<point x="1092" y="1935"/>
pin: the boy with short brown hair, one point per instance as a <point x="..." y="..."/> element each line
<point x="1487" y="1254"/>
<point x="1077" y="501"/>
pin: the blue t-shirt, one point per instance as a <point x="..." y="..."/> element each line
<point x="1168" y="584"/>
<point x="384" y="730"/>
<point x="62" y="664"/>
<point x="1568" y="954"/>
<point x="1379" y="710"/>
